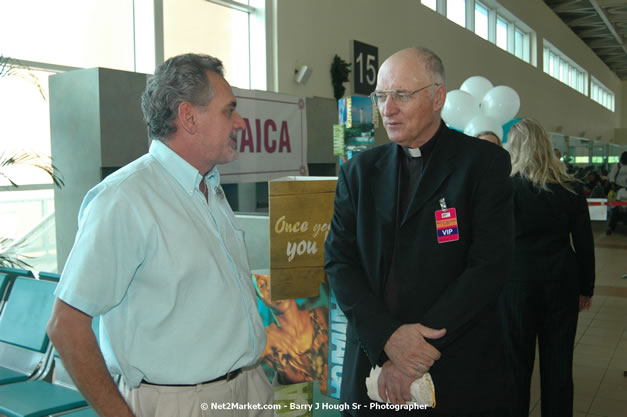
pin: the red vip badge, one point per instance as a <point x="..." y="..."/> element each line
<point x="446" y="225"/>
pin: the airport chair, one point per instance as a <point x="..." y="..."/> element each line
<point x="25" y="350"/>
<point x="40" y="398"/>
<point x="50" y="276"/>
<point x="85" y="412"/>
<point x="16" y="272"/>
<point x="4" y="287"/>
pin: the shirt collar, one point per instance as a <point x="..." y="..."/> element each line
<point x="185" y="174"/>
<point x="426" y="149"/>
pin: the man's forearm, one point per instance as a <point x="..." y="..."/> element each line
<point x="71" y="333"/>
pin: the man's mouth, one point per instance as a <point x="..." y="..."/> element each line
<point x="233" y="140"/>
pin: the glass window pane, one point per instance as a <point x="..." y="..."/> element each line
<point x="501" y="33"/>
<point x="75" y="33"/>
<point x="203" y="27"/>
<point x="456" y="11"/>
<point x="518" y="43"/>
<point x="551" y="64"/>
<point x="481" y="21"/>
<point x="563" y="71"/>
<point x="572" y="79"/>
<point x="593" y="93"/>
<point x="20" y="92"/>
<point x="430" y="4"/>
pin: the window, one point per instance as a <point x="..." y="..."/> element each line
<point x="481" y="20"/>
<point x="456" y="11"/>
<point x="119" y="34"/>
<point x="490" y="21"/>
<point x="519" y="37"/>
<point x="559" y="66"/>
<point x="27" y="90"/>
<point x="26" y="214"/>
<point x="228" y="36"/>
<point x="75" y="33"/>
<point x="501" y="33"/>
<point x="601" y="94"/>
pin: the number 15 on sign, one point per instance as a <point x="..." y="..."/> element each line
<point x="365" y="64"/>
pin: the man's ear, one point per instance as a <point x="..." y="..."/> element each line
<point x="187" y="117"/>
<point x="439" y="98"/>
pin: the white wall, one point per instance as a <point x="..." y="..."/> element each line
<point x="311" y="32"/>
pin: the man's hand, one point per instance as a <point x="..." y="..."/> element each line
<point x="410" y="352"/>
<point x="394" y="385"/>
<point x="584" y="303"/>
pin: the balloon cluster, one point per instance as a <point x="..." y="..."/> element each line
<point x="479" y="106"/>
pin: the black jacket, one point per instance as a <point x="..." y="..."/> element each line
<point x="544" y="224"/>
<point x="452" y="285"/>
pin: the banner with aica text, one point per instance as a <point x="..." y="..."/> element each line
<point x="274" y="141"/>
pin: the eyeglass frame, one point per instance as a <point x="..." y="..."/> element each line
<point x="402" y="96"/>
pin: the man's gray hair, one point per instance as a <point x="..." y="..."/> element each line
<point x="433" y="64"/>
<point x="180" y="78"/>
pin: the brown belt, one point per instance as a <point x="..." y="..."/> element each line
<point x="227" y="377"/>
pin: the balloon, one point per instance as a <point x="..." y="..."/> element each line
<point x="459" y="108"/>
<point x="508" y="126"/>
<point x="501" y="102"/>
<point x="481" y="123"/>
<point x="477" y="86"/>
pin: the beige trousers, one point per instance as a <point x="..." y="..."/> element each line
<point x="248" y="395"/>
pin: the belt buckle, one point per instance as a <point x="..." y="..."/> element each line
<point x="232" y="375"/>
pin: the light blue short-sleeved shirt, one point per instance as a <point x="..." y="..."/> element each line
<point x="167" y="270"/>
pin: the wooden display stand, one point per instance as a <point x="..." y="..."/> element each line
<point x="300" y="215"/>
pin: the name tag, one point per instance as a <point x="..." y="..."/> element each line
<point x="446" y="225"/>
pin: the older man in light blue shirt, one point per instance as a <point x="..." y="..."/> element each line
<point x="160" y="256"/>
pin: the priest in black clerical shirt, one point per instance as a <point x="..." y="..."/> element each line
<point x="418" y="252"/>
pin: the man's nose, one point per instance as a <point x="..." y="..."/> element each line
<point x="388" y="107"/>
<point x="239" y="122"/>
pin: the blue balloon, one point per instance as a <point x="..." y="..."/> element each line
<point x="507" y="126"/>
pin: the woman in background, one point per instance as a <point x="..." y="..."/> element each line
<point x="552" y="279"/>
<point x="490" y="137"/>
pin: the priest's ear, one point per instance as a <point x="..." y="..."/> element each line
<point x="439" y="97"/>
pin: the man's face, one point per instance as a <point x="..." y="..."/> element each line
<point x="414" y="122"/>
<point x="490" y="138"/>
<point x="218" y="123"/>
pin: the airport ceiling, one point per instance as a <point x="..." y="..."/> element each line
<point x="602" y="24"/>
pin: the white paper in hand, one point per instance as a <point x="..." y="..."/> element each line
<point x="422" y="390"/>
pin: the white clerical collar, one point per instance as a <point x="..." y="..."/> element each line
<point x="414" y="153"/>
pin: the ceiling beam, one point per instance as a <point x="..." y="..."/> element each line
<point x="587" y="20"/>
<point x="569" y="7"/>
<point x="611" y="3"/>
<point x="607" y="22"/>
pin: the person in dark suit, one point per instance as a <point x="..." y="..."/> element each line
<point x="552" y="278"/>
<point x="418" y="251"/>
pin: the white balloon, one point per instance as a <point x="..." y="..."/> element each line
<point x="502" y="103"/>
<point x="459" y="108"/>
<point x="477" y="86"/>
<point x="481" y="123"/>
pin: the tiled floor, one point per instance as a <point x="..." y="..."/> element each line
<point x="601" y="344"/>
